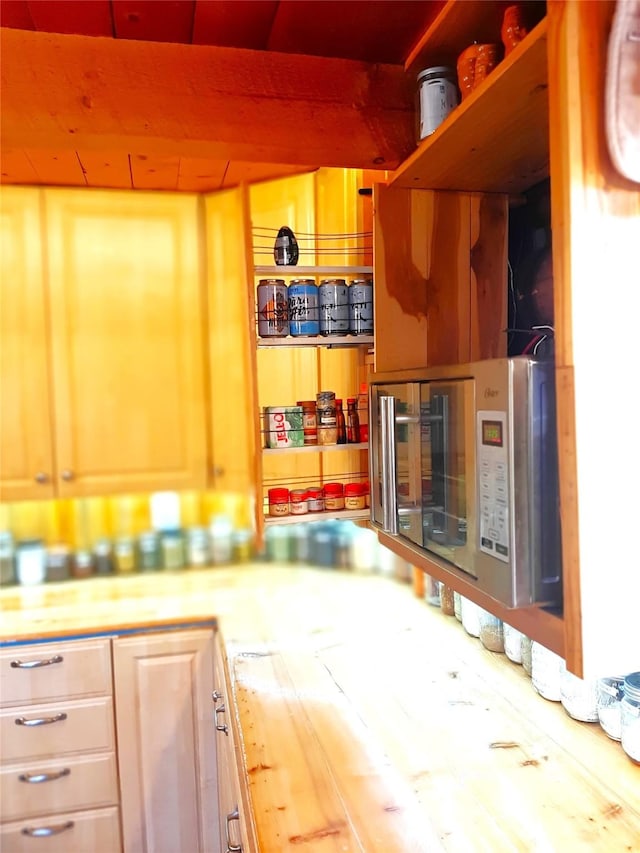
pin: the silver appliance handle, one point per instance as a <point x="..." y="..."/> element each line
<point x="388" y="463"/>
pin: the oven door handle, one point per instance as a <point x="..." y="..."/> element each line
<point x="388" y="472"/>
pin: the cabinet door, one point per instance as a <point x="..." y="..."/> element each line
<point x="127" y="341"/>
<point x="166" y="742"/>
<point x="236" y="826"/>
<point x="26" y="450"/>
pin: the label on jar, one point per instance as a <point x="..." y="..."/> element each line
<point x="284" y="426"/>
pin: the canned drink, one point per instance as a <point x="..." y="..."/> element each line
<point x="303" y="307"/>
<point x="361" y="307"/>
<point x="273" y="308"/>
<point x="333" y="299"/>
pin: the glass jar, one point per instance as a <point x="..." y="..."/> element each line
<point x="58" y="563"/>
<point x="278" y="502"/>
<point x="172" y="549"/>
<point x="315" y="500"/>
<point x="432" y="591"/>
<point x="525" y="654"/>
<point x="309" y="422"/>
<point x="333" y="497"/>
<point x="7" y="558"/>
<point x="437" y="97"/>
<point x="610" y="692"/>
<point x="491" y="633"/>
<point x="353" y="496"/>
<point x="198" y="550"/>
<point x="457" y="606"/>
<point x="545" y="672"/>
<point x="470" y="617"/>
<point x="512" y="643"/>
<point x="327" y="424"/>
<point x="221" y="538"/>
<point x="103" y="557"/>
<point x="242" y="545"/>
<point x="149" y="556"/>
<point x="366" y="489"/>
<point x="630" y="716"/>
<point x="82" y="564"/>
<point x="298" y="502"/>
<point x="446" y="600"/>
<point x="277" y="543"/>
<point x="124" y="555"/>
<point x="31" y="562"/>
<point x="579" y="696"/>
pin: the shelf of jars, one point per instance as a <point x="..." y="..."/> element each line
<point x="497" y="138"/>
<point x="344" y="515"/>
<point x="315" y="448"/>
<point x="317" y="341"/>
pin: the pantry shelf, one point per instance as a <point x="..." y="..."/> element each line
<point x="317" y="341"/>
<point x="314" y="448"/>
<point x="299" y="271"/>
<point x="345" y="514"/>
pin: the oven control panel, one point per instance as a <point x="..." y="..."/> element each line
<point x="493" y="484"/>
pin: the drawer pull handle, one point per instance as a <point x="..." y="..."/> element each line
<point x="40" y="721"/>
<point x="46" y="831"/>
<point x="221" y="727"/>
<point x="216" y="695"/>
<point x="32" y="664"/>
<point x="232" y="848"/>
<point x="44" y="777"/>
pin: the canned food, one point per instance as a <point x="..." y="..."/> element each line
<point x="273" y="308"/>
<point x="303" y="307"/>
<point x="333" y="299"/>
<point x="361" y="307"/>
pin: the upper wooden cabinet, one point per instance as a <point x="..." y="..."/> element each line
<point x="118" y="354"/>
<point x="26" y="444"/>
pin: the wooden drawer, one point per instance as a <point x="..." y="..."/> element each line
<point x="84" y="670"/>
<point x="88" y="727"/>
<point x="85" y="782"/>
<point x="95" y="831"/>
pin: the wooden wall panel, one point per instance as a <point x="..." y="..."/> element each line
<point x="488" y="240"/>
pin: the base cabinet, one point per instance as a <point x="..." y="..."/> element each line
<point x="236" y="827"/>
<point x="168" y="782"/>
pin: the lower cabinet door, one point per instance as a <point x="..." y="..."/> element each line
<point x="97" y="831"/>
<point x="166" y="742"/>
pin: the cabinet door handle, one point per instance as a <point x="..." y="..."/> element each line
<point x="221" y="727"/>
<point x="67" y="475"/>
<point x="216" y="695"/>
<point x="34" y="778"/>
<point x="41" y="477"/>
<point x="232" y="848"/>
<point x="32" y="664"/>
<point x="46" y="831"/>
<point x="40" y="721"/>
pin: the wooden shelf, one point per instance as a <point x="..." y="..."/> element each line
<point x="316" y="341"/>
<point x="314" y="448"/>
<point x="344" y="514"/>
<point x="299" y="271"/>
<point x="497" y="140"/>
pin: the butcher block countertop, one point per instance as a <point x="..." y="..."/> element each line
<point x="368" y="720"/>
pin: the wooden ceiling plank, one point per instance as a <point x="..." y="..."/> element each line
<point x="251" y="173"/>
<point x="151" y="172"/>
<point x="70" y="16"/>
<point x="196" y="174"/>
<point x="107" y="169"/>
<point x="16" y="168"/>
<point x="201" y="101"/>
<point x="57" y="167"/>
<point x="154" y="20"/>
<point x="243" y="23"/>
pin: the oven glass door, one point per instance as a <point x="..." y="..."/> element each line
<point x="447" y="436"/>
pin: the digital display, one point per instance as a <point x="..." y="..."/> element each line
<point x="492" y="433"/>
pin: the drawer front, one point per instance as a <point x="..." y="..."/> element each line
<point x="64" y="670"/>
<point x="96" y="831"/>
<point x="31" y="789"/>
<point x="87" y="727"/>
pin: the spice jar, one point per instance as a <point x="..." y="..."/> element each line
<point x="333" y="496"/>
<point x="82" y="564"/>
<point x="545" y="672"/>
<point x="103" y="557"/>
<point x="7" y="558"/>
<point x="630" y="716"/>
<point x="309" y="422"/>
<point x="525" y="653"/>
<point x="512" y="643"/>
<point x="315" y="500"/>
<point x="491" y="633"/>
<point x="341" y="424"/>
<point x="172" y="548"/>
<point x="366" y="491"/>
<point x="446" y="599"/>
<point x="298" y="502"/>
<point x="124" y="555"/>
<point x="58" y="563"/>
<point x="326" y="418"/>
<point x="610" y="693"/>
<point x="278" y="502"/>
<point x="353" y="496"/>
<point x="198" y="550"/>
<point x="149" y="557"/>
<point x="470" y="617"/>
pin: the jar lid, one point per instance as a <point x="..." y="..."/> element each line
<point x="632" y="686"/>
<point x="314" y="492"/>
<point x="351" y="400"/>
<point x="353" y="489"/>
<point x="326" y="395"/>
<point x="298" y="495"/>
<point x="333" y="489"/>
<point x="278" y="494"/>
<point x="434" y="71"/>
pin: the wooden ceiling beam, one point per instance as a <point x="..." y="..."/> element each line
<point x="78" y="92"/>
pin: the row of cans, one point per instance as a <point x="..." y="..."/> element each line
<point x="305" y="308"/>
